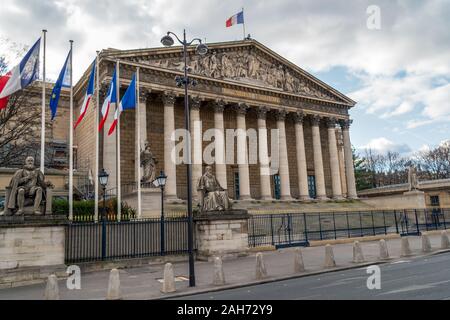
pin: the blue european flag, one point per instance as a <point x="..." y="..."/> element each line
<point x="63" y="81"/>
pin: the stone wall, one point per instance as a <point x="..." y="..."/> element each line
<point x="31" y="246"/>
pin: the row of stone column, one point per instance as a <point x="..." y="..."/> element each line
<point x="244" y="176"/>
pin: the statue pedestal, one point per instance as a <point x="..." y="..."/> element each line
<point x="415" y="199"/>
<point x="222" y="233"/>
<point x="151" y="201"/>
<point x="32" y="248"/>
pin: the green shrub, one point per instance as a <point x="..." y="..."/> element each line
<point x="84" y="210"/>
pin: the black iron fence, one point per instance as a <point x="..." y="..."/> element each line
<point x="296" y="229"/>
<point x="109" y="240"/>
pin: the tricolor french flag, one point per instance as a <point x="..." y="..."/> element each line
<point x="21" y="75"/>
<point x="128" y="102"/>
<point x="238" y="18"/>
<point x="88" y="96"/>
<point x="110" y="99"/>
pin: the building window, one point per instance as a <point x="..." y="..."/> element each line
<point x="312" y="187"/>
<point x="236" y="185"/>
<point x="434" y="200"/>
<point x="277" y="186"/>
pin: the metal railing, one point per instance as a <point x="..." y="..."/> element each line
<point x="109" y="240"/>
<point x="292" y="229"/>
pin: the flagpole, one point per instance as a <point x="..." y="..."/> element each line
<point x="97" y="109"/>
<point x="138" y="110"/>
<point x="44" y="35"/>
<point x="71" y="137"/>
<point x="119" y="191"/>
<point x="243" y="24"/>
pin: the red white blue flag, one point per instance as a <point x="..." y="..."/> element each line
<point x="128" y="102"/>
<point x="238" y="18"/>
<point x="110" y="99"/>
<point x="21" y="75"/>
<point x="88" y="96"/>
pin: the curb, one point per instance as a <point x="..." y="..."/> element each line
<point x="269" y="280"/>
<point x="319" y="243"/>
<point x="295" y="276"/>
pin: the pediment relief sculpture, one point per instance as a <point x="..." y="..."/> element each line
<point x="247" y="67"/>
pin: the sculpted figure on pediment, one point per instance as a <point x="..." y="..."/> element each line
<point x="252" y="65"/>
<point x="227" y="67"/>
<point x="289" y="82"/>
<point x="214" y="71"/>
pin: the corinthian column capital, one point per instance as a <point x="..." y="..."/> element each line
<point x="195" y="103"/>
<point x="242" y="108"/>
<point x="315" y="120"/>
<point x="219" y="105"/>
<point x="262" y="112"/>
<point x="345" y="124"/>
<point x="168" y="98"/>
<point x="299" y="117"/>
<point x="281" y="114"/>
<point x="331" y="123"/>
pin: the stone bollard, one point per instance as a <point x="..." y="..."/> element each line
<point x="261" y="271"/>
<point x="114" y="286"/>
<point x="329" y="257"/>
<point x="168" y="285"/>
<point x="298" y="261"/>
<point x="445" y="243"/>
<point x="426" y="245"/>
<point x="52" y="289"/>
<point x="219" y="275"/>
<point x="405" y="249"/>
<point x="358" y="256"/>
<point x="384" y="253"/>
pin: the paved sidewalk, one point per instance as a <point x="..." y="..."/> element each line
<point x="142" y="282"/>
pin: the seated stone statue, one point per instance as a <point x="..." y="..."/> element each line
<point x="27" y="188"/>
<point x="212" y="196"/>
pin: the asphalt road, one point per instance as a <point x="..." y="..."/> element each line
<point x="406" y="279"/>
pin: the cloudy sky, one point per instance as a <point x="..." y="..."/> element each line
<point x="398" y="70"/>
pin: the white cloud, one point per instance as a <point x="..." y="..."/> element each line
<point x="382" y="145"/>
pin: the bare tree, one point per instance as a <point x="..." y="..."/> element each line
<point x="435" y="163"/>
<point x="19" y="123"/>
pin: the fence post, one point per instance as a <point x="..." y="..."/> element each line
<point x="162" y="234"/>
<point x="396" y="223"/>
<point x="384" y="222"/>
<point x="320" y="227"/>
<point x="253" y="230"/>
<point x="271" y="229"/>
<point x="289" y="227"/>
<point x="426" y="220"/>
<point x="348" y="225"/>
<point x="306" y="227"/>
<point x="334" y="225"/>
<point x="417" y="222"/>
<point x="373" y="223"/>
<point x="104" y="237"/>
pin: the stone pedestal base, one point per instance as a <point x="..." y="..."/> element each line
<point x="151" y="201"/>
<point x="222" y="233"/>
<point x="31" y="248"/>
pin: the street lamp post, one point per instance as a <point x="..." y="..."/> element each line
<point x="103" y="180"/>
<point x="161" y="183"/>
<point x="201" y="49"/>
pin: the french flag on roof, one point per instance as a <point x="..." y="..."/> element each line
<point x="128" y="102"/>
<point x="21" y="75"/>
<point x="88" y="96"/>
<point x="238" y="18"/>
<point x="110" y="98"/>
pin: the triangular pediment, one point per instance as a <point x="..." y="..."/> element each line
<point x="247" y="62"/>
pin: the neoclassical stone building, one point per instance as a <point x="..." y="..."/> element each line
<point x="240" y="85"/>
